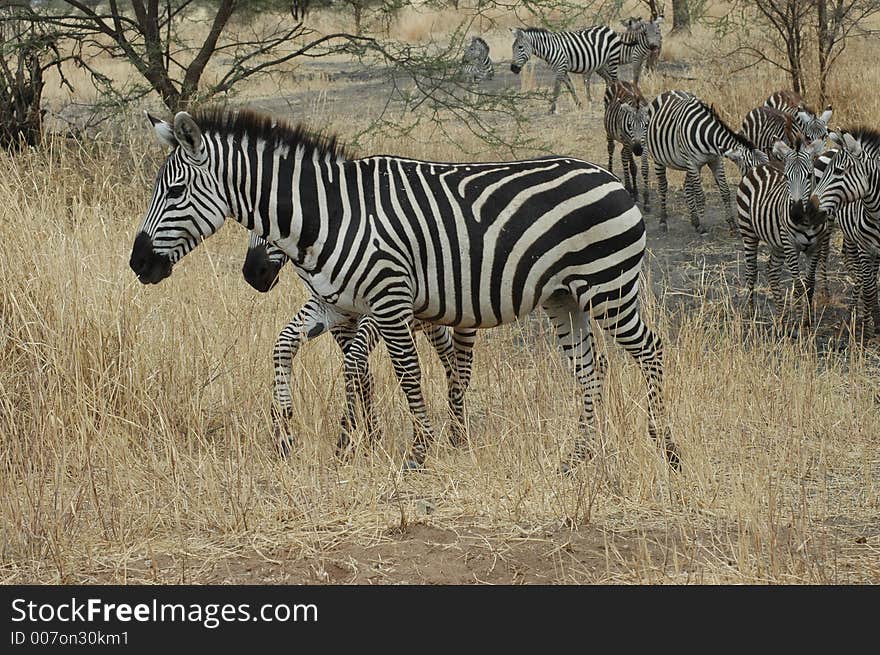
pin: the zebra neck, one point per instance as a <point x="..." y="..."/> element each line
<point x="289" y="195"/>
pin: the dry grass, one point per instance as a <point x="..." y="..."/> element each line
<point x="135" y="441"/>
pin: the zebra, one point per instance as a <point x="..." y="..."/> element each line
<point x="583" y="51"/>
<point x="476" y="64"/>
<point x="471" y="245"/>
<point x="772" y="206"/>
<point x="640" y="43"/>
<point x="626" y="119"/>
<point x="261" y="268"/>
<point x="849" y="191"/>
<point x="806" y="123"/>
<point x="685" y="134"/>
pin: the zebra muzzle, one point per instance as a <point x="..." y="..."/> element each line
<point x="149" y="266"/>
<point x="515" y="69"/>
<point x="637" y="149"/>
<point x="259" y="270"/>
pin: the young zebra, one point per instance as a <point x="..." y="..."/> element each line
<point x="772" y="206"/>
<point x="584" y="51"/>
<point x="455" y="348"/>
<point x="685" y="134"/>
<point x="852" y="175"/>
<point x="476" y="64"/>
<point x="468" y="245"/>
<point x="626" y="119"/>
<point x="764" y="126"/>
<point x="640" y="42"/>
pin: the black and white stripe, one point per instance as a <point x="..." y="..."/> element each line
<point x="584" y="51"/>
<point x="469" y="245"/>
<point x="685" y="134"/>
<point x="477" y="66"/>
<point x="263" y="263"/>
<point x="772" y="207"/>
<point x="641" y="41"/>
<point x="626" y="121"/>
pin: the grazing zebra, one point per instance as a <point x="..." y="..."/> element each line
<point x="476" y="64"/>
<point x="640" y="42"/>
<point x="584" y="51"/>
<point x="764" y="126"/>
<point x="626" y="119"/>
<point x="455" y="348"/>
<point x="685" y="134"/>
<point x="772" y="206"/>
<point x="849" y="190"/>
<point x="806" y="123"/>
<point x="468" y="245"/>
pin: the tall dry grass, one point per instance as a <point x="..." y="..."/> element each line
<point x="135" y="438"/>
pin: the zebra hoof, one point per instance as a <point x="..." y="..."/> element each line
<point x="284" y="445"/>
<point x="458" y="438"/>
<point x="672" y="456"/>
<point x="412" y="466"/>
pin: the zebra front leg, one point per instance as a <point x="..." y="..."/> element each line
<point x="568" y="85"/>
<point x="645" y="191"/>
<point x="717" y="168"/>
<point x="394" y="327"/>
<point x="575" y="339"/>
<point x="360" y="339"/>
<point x="850" y="253"/>
<point x="310" y="322"/>
<point x="750" y="246"/>
<point x="868" y="268"/>
<point x="696" y="199"/>
<point x="610" y="155"/>
<point x="663" y="190"/>
<point x="588" y="79"/>
<point x="774" y="271"/>
<point x="628" y="161"/>
<point x="455" y="349"/>
<point x="824" y="252"/>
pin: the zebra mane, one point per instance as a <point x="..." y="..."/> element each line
<point x="535" y="30"/>
<point x="481" y="41"/>
<point x="256" y="125"/>
<point x="739" y="138"/>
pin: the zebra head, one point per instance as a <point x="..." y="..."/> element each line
<point x="188" y="202"/>
<point x="263" y="263"/>
<point x="814" y="127"/>
<point x="797" y="166"/>
<point x="522" y="49"/>
<point x="636" y="125"/>
<point x="847" y="176"/>
<point x="746" y="156"/>
<point x="476" y="52"/>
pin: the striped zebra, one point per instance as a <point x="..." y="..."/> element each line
<point x="772" y="206"/>
<point x="626" y="119"/>
<point x="583" y="51"/>
<point x="470" y="245"/>
<point x="476" y="63"/>
<point x="849" y="191"/>
<point x="455" y="348"/>
<point x="640" y="42"/>
<point x="805" y="122"/>
<point x="685" y="134"/>
<point x="764" y="126"/>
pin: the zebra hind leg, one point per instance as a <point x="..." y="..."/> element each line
<point x="575" y="339"/>
<point x="455" y="349"/>
<point x="663" y="191"/>
<point x="357" y="342"/>
<point x="696" y="199"/>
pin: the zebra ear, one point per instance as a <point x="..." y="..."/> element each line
<point x="816" y="148"/>
<point x="781" y="150"/>
<point x="164" y="131"/>
<point x="826" y="115"/>
<point x="189" y="136"/>
<point x="836" y="138"/>
<point x="658" y="20"/>
<point x="804" y="117"/>
<point x="852" y="145"/>
<point x="515" y="31"/>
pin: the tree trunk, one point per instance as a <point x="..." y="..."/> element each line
<point x="681" y="17"/>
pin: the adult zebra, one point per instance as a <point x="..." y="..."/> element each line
<point x="468" y="245"/>
<point x="772" y="206"/>
<point x="583" y="51"/>
<point x="640" y="42"/>
<point x="455" y="348"/>
<point x="685" y="134"/>
<point x="764" y="126"/>
<point x="849" y="190"/>
<point x="626" y="119"/>
<point x="477" y="66"/>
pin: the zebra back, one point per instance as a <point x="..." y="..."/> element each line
<point x="764" y="126"/>
<point x="785" y="101"/>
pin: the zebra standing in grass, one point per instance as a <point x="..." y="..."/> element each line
<point x="476" y="63"/>
<point x="468" y="245"/>
<point x="764" y="126"/>
<point x="584" y="51"/>
<point x="640" y="42"/>
<point x="626" y="120"/>
<point x="849" y="190"/>
<point x="772" y="206"/>
<point x="455" y="348"/>
<point x="685" y="134"/>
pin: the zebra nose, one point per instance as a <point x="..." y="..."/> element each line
<point x="637" y="149"/>
<point x="149" y="266"/>
<point x="515" y="69"/>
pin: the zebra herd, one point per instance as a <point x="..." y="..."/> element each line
<point x="388" y="245"/>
